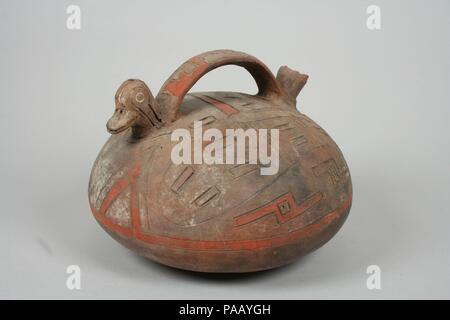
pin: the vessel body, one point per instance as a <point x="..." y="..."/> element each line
<point x="222" y="217"/>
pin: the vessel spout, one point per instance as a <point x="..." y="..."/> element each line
<point x="291" y="81"/>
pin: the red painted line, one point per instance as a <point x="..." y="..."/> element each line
<point x="222" y="106"/>
<point x="248" y="244"/>
<point x="116" y="190"/>
<point x="110" y="225"/>
<point x="136" y="231"/>
<point x="180" y="85"/>
<point x="273" y="208"/>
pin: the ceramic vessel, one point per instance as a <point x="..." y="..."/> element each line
<point x="218" y="217"/>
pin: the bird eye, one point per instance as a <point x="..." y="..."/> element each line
<point x="140" y="97"/>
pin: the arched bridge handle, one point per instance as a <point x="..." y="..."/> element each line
<point x="181" y="81"/>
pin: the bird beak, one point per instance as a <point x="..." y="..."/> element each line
<point x="121" y="120"/>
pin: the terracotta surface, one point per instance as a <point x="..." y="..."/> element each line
<point x="218" y="218"/>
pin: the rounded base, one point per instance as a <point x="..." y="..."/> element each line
<point x="231" y="261"/>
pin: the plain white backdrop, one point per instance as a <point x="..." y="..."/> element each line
<point x="383" y="96"/>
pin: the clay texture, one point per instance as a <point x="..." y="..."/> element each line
<point x="218" y="218"/>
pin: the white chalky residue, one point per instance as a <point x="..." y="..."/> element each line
<point x="119" y="211"/>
